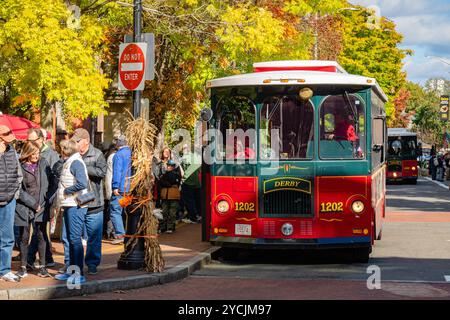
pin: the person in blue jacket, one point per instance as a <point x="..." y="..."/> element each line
<point x="120" y="185"/>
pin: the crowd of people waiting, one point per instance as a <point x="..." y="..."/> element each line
<point x="41" y="185"/>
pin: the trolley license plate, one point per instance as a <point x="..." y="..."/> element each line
<point x="243" y="229"/>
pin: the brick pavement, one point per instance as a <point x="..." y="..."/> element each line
<point x="178" y="248"/>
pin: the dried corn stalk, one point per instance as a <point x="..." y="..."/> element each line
<point x="141" y="136"/>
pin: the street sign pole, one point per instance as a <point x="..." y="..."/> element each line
<point x="134" y="260"/>
<point x="137" y="18"/>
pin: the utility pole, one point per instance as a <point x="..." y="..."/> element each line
<point x="137" y="22"/>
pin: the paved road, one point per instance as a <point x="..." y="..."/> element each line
<point x="413" y="257"/>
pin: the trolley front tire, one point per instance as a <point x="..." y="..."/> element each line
<point x="361" y="255"/>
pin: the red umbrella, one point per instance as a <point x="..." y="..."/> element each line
<point x="19" y="126"/>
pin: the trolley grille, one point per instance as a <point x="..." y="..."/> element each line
<point x="287" y="202"/>
<point x="394" y="168"/>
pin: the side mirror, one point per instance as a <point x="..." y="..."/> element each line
<point x="206" y="114"/>
<point x="377" y="147"/>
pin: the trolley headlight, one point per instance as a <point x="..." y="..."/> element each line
<point x="395" y="174"/>
<point x="223" y="206"/>
<point x="357" y="206"/>
<point x="413" y="168"/>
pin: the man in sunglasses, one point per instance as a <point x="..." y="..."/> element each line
<point x="11" y="178"/>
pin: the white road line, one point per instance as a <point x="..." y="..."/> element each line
<point x="437" y="182"/>
<point x="447" y="278"/>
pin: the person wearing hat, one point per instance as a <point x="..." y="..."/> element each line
<point x="9" y="192"/>
<point x="120" y="185"/>
<point x="96" y="166"/>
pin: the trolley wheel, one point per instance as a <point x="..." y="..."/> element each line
<point x="229" y="253"/>
<point x="361" y="255"/>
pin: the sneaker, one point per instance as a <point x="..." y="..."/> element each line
<point x="43" y="273"/>
<point x="77" y="279"/>
<point x="50" y="264"/>
<point x="63" y="277"/>
<point x="30" y="267"/>
<point x="169" y="232"/>
<point x="186" y="220"/>
<point x="72" y="277"/>
<point x="92" y="270"/>
<point x="22" y="273"/>
<point x="63" y="270"/>
<point x="11" y="277"/>
<point x="117" y="241"/>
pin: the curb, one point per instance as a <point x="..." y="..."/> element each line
<point x="176" y="273"/>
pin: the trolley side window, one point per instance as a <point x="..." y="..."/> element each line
<point x="236" y="125"/>
<point x="342" y="128"/>
<point x="286" y="128"/>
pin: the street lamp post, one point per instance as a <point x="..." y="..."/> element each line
<point x="137" y="21"/>
<point x="135" y="259"/>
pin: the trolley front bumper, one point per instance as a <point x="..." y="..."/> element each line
<point x="289" y="243"/>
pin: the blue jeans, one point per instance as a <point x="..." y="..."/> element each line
<point x="74" y="220"/>
<point x="191" y="199"/>
<point x="66" y="242"/>
<point x="115" y="213"/>
<point x="6" y="236"/>
<point x="94" y="227"/>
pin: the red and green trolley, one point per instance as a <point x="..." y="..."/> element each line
<point x="402" y="154"/>
<point x="297" y="159"/>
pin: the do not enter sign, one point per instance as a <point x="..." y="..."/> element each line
<point x="132" y="66"/>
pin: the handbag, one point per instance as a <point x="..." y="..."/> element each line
<point x="85" y="198"/>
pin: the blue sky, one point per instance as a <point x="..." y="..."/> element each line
<point x="425" y="25"/>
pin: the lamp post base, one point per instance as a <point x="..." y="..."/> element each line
<point x="132" y="260"/>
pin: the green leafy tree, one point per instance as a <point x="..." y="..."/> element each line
<point x="374" y="51"/>
<point x="46" y="57"/>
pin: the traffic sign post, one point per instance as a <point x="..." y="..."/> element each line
<point x="444" y="108"/>
<point x="132" y="66"/>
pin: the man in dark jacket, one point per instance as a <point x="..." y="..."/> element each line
<point x="96" y="166"/>
<point x="120" y="185"/>
<point x="11" y="178"/>
<point x="51" y="157"/>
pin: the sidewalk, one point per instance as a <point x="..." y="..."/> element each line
<point x="183" y="252"/>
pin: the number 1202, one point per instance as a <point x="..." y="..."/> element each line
<point x="331" y="207"/>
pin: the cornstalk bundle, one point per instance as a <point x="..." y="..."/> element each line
<point x="141" y="136"/>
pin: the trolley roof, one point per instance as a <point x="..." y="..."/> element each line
<point x="299" y="72"/>
<point x="400" y="132"/>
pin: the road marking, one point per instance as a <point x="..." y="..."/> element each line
<point x="437" y="182"/>
<point x="447" y="278"/>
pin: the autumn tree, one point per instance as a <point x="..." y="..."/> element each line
<point x="373" y="50"/>
<point x="44" y="58"/>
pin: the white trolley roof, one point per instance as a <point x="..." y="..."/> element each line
<point x="400" y="132"/>
<point x="299" y="72"/>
